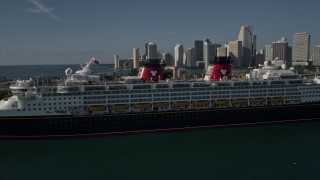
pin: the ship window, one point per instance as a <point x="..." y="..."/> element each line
<point x="39" y="108"/>
<point x="28" y="104"/>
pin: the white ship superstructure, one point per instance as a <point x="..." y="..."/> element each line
<point x="83" y="93"/>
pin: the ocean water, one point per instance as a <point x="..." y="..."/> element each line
<point x="49" y="71"/>
<point x="278" y="151"/>
<point x="264" y="152"/>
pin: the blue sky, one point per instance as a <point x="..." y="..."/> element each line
<point x="70" y="31"/>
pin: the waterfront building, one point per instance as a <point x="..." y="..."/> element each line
<point x="208" y="53"/>
<point x="116" y="61"/>
<point x="167" y="58"/>
<point x="245" y="36"/>
<point x="222" y="51"/>
<point x="235" y="52"/>
<point x="280" y="51"/>
<point x="152" y="51"/>
<point x="178" y="55"/>
<point x="260" y="57"/>
<point x="316" y="56"/>
<point x="191" y="61"/>
<point x="254" y="50"/>
<point x="198" y="46"/>
<point x="300" y="48"/>
<point x="268" y="52"/>
<point x="136" y="56"/>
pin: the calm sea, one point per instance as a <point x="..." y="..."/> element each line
<point x="48" y="71"/>
<point x="278" y="151"/>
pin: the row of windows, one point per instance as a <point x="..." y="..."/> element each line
<point x="54" y="99"/>
<point x="94" y="102"/>
<point x="119" y="96"/>
<point x="94" y="97"/>
<point x="34" y="109"/>
<point x="60" y="103"/>
<point x="118" y="101"/>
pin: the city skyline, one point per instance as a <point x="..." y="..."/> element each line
<point x="70" y="32"/>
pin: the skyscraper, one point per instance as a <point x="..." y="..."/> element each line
<point x="191" y="61"/>
<point x="136" y="58"/>
<point x="245" y="35"/>
<point x="254" y="50"/>
<point x="235" y="52"/>
<point x="116" y="61"/>
<point x="167" y="58"/>
<point x="222" y="51"/>
<point x="152" y="51"/>
<point x="178" y="55"/>
<point x="198" y="46"/>
<point x="208" y="50"/>
<point x="316" y="56"/>
<point x="280" y="51"/>
<point x="268" y="52"/>
<point x="300" y="48"/>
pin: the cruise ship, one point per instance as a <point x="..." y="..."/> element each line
<point x="84" y="104"/>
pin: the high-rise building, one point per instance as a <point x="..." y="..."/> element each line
<point x="260" y="57"/>
<point x="235" y="52"/>
<point x="146" y="49"/>
<point x="191" y="61"/>
<point x="268" y="52"/>
<point x="280" y="51"/>
<point x="215" y="46"/>
<point x="116" y="61"/>
<point x="136" y="58"/>
<point x="316" y="56"/>
<point x="245" y="35"/>
<point x="198" y="46"/>
<point x="222" y="51"/>
<point x="178" y="55"/>
<point x="167" y="58"/>
<point x="208" y="53"/>
<point x="152" y="51"/>
<point x="254" y="50"/>
<point x="300" y="49"/>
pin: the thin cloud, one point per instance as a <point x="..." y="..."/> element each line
<point x="41" y="8"/>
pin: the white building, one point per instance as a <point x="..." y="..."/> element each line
<point x="136" y="56"/>
<point x="300" y="49"/>
<point x="178" y="55"/>
<point x="235" y="52"/>
<point x="116" y="61"/>
<point x="268" y="52"/>
<point x="208" y="53"/>
<point x="222" y="51"/>
<point x="245" y="35"/>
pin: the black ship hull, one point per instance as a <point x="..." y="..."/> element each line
<point x="64" y="126"/>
